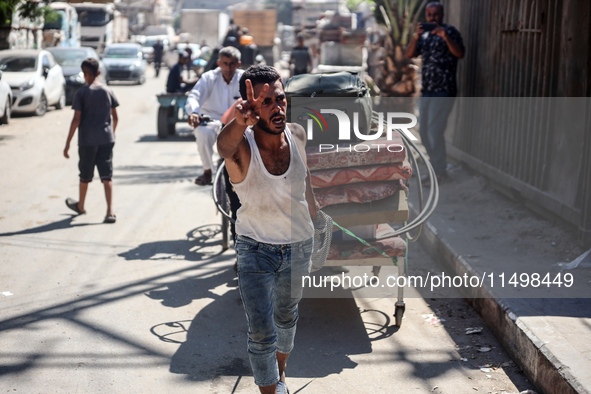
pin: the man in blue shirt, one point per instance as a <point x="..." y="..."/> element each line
<point x="440" y="49"/>
<point x="176" y="83"/>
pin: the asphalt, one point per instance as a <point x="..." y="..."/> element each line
<point x="478" y="231"/>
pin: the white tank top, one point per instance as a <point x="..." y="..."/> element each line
<point x="274" y="208"/>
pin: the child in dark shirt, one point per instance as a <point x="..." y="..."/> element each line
<point x="95" y="117"/>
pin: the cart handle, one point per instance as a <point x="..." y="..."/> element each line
<point x="214" y="194"/>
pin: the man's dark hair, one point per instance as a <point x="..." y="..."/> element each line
<point x="435" y="4"/>
<point x="258" y="75"/>
<point x="91" y="64"/>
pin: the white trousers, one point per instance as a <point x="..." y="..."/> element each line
<point x="206" y="136"/>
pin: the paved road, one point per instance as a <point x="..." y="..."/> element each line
<point x="150" y="304"/>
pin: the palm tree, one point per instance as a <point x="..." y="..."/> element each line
<point x="399" y="18"/>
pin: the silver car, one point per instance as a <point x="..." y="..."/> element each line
<point x="36" y="80"/>
<point x="71" y="59"/>
<point x="124" y="62"/>
<point x="5" y="101"/>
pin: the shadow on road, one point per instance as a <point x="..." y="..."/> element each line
<point x="201" y="244"/>
<point x="133" y="175"/>
<point x="73" y="311"/>
<point x="59" y="225"/>
<point x="213" y="344"/>
<point x="183" y="134"/>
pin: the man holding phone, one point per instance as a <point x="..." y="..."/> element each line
<point x="440" y="47"/>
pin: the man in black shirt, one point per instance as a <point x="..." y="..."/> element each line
<point x="440" y="49"/>
<point x="300" y="57"/>
<point x="158" y="52"/>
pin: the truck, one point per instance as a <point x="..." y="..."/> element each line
<point x="204" y="25"/>
<point x="61" y="27"/>
<point x="101" y="25"/>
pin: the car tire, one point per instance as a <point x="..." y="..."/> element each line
<point x="41" y="106"/>
<point x="141" y="80"/>
<point x="5" y="119"/>
<point x="61" y="103"/>
<point x="107" y="81"/>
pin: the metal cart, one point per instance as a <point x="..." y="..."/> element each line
<point x="391" y="209"/>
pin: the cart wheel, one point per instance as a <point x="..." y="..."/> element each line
<point x="172" y="125"/>
<point x="163" y="122"/>
<point x="225" y="226"/>
<point x="224" y="202"/>
<point x="398" y="313"/>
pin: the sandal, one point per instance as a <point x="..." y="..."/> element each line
<point x="73" y="205"/>
<point x="110" y="219"/>
<point x="203" y="180"/>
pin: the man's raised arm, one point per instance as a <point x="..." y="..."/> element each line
<point x="230" y="138"/>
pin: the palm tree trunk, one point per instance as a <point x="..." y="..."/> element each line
<point x="400" y="72"/>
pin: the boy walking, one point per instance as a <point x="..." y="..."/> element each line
<point x="95" y="117"/>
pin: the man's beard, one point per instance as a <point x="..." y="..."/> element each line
<point x="265" y="126"/>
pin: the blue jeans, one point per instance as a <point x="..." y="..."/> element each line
<point x="434" y="110"/>
<point x="270" y="299"/>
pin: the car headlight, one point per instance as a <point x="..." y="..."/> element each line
<point x="26" y="85"/>
<point x="79" y="78"/>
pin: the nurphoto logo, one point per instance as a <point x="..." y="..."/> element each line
<point x="344" y="124"/>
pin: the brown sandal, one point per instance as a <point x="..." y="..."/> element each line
<point x="203" y="180"/>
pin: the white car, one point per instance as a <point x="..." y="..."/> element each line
<point x="5" y="101"/>
<point x="35" y="78"/>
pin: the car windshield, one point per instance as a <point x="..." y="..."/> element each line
<point x="53" y="20"/>
<point x="193" y="47"/>
<point x="89" y="17"/>
<point x="151" y="42"/>
<point x="121" y="53"/>
<point x="18" y="64"/>
<point x="70" y="58"/>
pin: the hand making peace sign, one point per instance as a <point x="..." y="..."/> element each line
<point x="247" y="112"/>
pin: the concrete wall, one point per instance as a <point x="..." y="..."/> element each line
<point x="523" y="49"/>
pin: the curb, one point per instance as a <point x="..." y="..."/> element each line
<point x="540" y="366"/>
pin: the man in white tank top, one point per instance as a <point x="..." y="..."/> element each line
<point x="266" y="161"/>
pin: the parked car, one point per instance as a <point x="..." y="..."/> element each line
<point x="35" y="78"/>
<point x="70" y="59"/>
<point x="124" y="62"/>
<point x="5" y="101"/>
